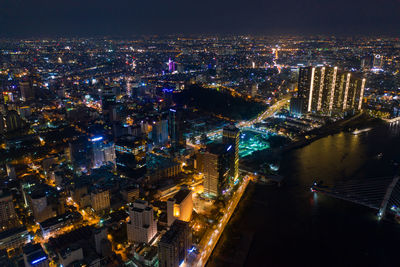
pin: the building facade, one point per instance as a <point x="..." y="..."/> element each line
<point x="328" y="90"/>
<point x="142" y="226"/>
<point x="173" y="248"/>
<point x="230" y="137"/>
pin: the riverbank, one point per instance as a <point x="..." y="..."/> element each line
<point x="360" y="121"/>
<point x="290" y="226"/>
<point x="276" y="151"/>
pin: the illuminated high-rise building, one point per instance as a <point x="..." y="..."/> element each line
<point x="328" y="90"/>
<point x="27" y="90"/>
<point x="230" y="137"/>
<point x="377" y="62"/>
<point x="175" y="127"/>
<point x="102" y="152"/>
<point x="159" y="134"/>
<point x="14" y="121"/>
<point x="180" y="206"/>
<point x="214" y="163"/>
<point x="100" y="199"/>
<point x="142" y="226"/>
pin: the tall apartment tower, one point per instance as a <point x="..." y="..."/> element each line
<point x="230" y="137"/>
<point x="377" y="61"/>
<point x="142" y="226"/>
<point x="173" y="248"/>
<point x="27" y="91"/>
<point x="215" y="163"/>
<point x="327" y="89"/>
<point x="175" y="128"/>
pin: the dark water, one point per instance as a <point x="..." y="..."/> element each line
<point x="294" y="227"/>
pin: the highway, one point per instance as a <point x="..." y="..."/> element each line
<point x="270" y="111"/>
<point x="210" y="240"/>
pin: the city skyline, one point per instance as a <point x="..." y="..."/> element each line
<point x="126" y="18"/>
<point x="230" y="148"/>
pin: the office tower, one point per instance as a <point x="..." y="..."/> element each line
<point x="159" y="134"/>
<point x="171" y="65"/>
<point x="14" y="121"/>
<point x="102" y="152"/>
<point x="142" y="226"/>
<point x="215" y="163"/>
<point x="173" y="248"/>
<point x="180" y="206"/>
<point x="328" y="90"/>
<point x="377" y="62"/>
<point x="175" y="127"/>
<point x="34" y="256"/>
<point x="100" y="199"/>
<point x="27" y="91"/>
<point x="230" y="137"/>
<point x="8" y="217"/>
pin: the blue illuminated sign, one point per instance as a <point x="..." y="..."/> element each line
<point x="95" y="139"/>
<point x="39" y="260"/>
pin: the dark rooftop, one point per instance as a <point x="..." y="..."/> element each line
<point x="181" y="195"/>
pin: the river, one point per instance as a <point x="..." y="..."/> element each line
<point x="290" y="226"/>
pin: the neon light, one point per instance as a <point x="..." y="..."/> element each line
<point x="39" y="260"/>
<point x="229" y="148"/>
<point x="311" y="89"/>
<point x="97" y="139"/>
<point x="173" y="110"/>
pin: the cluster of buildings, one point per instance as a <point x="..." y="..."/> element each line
<point x="328" y="90"/>
<point x="105" y="160"/>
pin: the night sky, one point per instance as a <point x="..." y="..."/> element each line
<point x="30" y="18"/>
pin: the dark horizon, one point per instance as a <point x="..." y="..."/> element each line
<point x="44" y="18"/>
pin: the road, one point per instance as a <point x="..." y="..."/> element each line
<point x="267" y="113"/>
<point x="210" y="240"/>
<point x="270" y="111"/>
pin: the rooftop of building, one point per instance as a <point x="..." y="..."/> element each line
<point x="173" y="233"/>
<point x="60" y="219"/>
<point x="217" y="148"/>
<point x="12" y="231"/>
<point x="231" y="127"/>
<point x="181" y="195"/>
<point x="65" y="251"/>
<point x="147" y="252"/>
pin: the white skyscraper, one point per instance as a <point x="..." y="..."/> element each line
<point x="142" y="226"/>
